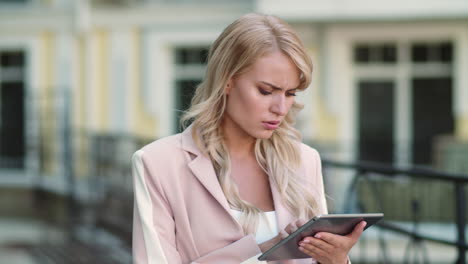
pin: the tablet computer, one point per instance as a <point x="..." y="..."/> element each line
<point x="340" y="224"/>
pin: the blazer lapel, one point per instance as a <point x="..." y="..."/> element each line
<point x="202" y="168"/>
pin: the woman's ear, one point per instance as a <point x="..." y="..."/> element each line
<point x="228" y="87"/>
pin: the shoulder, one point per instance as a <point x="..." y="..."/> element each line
<point x="308" y="152"/>
<point x="161" y="150"/>
<point x="310" y="159"/>
<point x="169" y="143"/>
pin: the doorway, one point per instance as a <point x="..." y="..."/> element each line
<point x="12" y="141"/>
<point x="432" y="115"/>
<point x="376" y="121"/>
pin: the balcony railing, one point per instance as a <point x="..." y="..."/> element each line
<point x="414" y="195"/>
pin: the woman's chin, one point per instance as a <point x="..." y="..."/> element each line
<point x="266" y="134"/>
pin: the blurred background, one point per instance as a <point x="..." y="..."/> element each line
<point x="85" y="83"/>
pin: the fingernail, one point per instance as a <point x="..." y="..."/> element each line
<point x="317" y="236"/>
<point x="301" y="248"/>
<point x="306" y="240"/>
<point x="364" y="224"/>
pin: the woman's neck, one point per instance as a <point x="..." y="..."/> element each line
<point x="239" y="143"/>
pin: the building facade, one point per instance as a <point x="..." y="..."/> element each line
<point x="82" y="79"/>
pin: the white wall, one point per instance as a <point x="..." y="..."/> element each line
<point x="363" y="9"/>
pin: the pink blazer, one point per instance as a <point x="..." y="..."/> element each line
<point x="181" y="214"/>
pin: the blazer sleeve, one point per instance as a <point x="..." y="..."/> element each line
<point x="154" y="238"/>
<point x="244" y="251"/>
<point x="153" y="226"/>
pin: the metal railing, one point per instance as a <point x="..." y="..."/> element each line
<point x="370" y="174"/>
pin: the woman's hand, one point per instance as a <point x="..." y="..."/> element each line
<point x="328" y="248"/>
<point x="281" y="235"/>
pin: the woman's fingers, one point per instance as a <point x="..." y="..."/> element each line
<point x="291" y="228"/>
<point x="357" y="231"/>
<point x="317" y="243"/>
<point x="337" y="239"/>
<point x="283" y="234"/>
<point x="300" y="222"/>
<point x="313" y="251"/>
<point x="330" y="248"/>
<point x="329" y="238"/>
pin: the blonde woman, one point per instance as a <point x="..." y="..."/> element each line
<point x="237" y="179"/>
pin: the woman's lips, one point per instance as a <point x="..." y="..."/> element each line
<point x="271" y="125"/>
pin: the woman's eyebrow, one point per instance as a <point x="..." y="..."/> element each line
<point x="276" y="87"/>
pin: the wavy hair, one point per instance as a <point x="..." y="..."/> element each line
<point x="238" y="47"/>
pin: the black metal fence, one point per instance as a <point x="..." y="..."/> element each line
<point x="414" y="195"/>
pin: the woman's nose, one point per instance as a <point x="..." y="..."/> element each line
<point x="279" y="105"/>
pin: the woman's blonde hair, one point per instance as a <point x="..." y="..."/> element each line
<point x="238" y="47"/>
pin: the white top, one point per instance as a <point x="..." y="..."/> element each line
<point x="267" y="227"/>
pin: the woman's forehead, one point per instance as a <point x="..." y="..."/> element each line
<point x="276" y="69"/>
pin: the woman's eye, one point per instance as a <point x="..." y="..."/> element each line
<point x="264" y="92"/>
<point x="290" y="94"/>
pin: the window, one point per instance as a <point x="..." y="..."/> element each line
<point x="186" y="56"/>
<point x="12" y="108"/>
<point x="376" y="120"/>
<point x="375" y="53"/>
<point x="190" y="68"/>
<point x="431" y="52"/>
<point x="405" y="103"/>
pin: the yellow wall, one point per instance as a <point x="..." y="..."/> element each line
<point x="101" y="93"/>
<point x="79" y="106"/>
<point x="46" y="101"/>
<point x="79" y="93"/>
<point x="98" y="106"/>
<point x="324" y="123"/>
<point x="48" y="2"/>
<point x="143" y="123"/>
<point x="462" y="128"/>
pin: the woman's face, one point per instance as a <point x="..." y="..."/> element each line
<point x="259" y="99"/>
